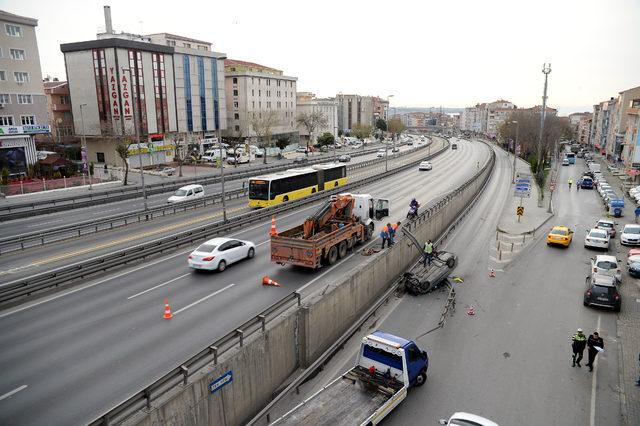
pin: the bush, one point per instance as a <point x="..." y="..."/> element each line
<point x="57" y="175"/>
<point x="5" y="176"/>
<point x="91" y="169"/>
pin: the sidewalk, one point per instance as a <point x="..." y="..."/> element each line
<point x="512" y="234"/>
<point x="628" y="319"/>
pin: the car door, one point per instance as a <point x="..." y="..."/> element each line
<point x="223" y="251"/>
<point x="381" y="208"/>
<point x="235" y="250"/>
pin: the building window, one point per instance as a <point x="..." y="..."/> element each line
<point x="1" y="55"/>
<point x="252" y="80"/>
<point x="24" y="99"/>
<point x="188" y="45"/>
<point x="3" y="76"/>
<point x="236" y="116"/>
<point x="17" y="54"/>
<point x="100" y="157"/>
<point x="27" y="120"/>
<point x="13" y="30"/>
<point x="268" y="82"/>
<point x="21" y="77"/>
<point x="235" y="92"/>
<point x="259" y="104"/>
<point x="235" y="105"/>
<point x="169" y="43"/>
<point x="235" y="80"/>
<point x="237" y="128"/>
<point x="279" y="83"/>
<point x="201" y="47"/>
<point x="6" y="120"/>
<point x="253" y="104"/>
<point x="65" y="100"/>
<point x="259" y="92"/>
<point x="253" y="92"/>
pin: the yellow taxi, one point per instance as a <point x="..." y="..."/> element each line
<point x="560" y="235"/>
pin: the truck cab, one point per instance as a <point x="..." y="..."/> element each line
<point x="368" y="208"/>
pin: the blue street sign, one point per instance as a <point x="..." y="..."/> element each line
<point x="520" y="180"/>
<point x="523" y="188"/>
<point x="221" y="381"/>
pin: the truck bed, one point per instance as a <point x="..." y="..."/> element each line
<point x="349" y="400"/>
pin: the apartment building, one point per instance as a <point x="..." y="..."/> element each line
<point x="255" y="92"/>
<point x="328" y="107"/>
<point x="583" y="129"/>
<point x="354" y="109"/>
<point x="496" y="113"/>
<point x="622" y="124"/>
<point x="600" y="126"/>
<point x="156" y="84"/>
<point x="23" y="106"/>
<point x="380" y="108"/>
<point x="59" y="109"/>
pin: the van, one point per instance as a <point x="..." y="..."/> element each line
<point x="186" y="193"/>
<point x="212" y="155"/>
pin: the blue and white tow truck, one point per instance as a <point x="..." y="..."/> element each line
<point x="387" y="366"/>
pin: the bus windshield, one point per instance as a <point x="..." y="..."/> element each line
<point x="259" y="189"/>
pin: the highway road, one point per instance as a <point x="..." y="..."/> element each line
<point x="511" y="362"/>
<point x="72" y="355"/>
<point x="21" y="264"/>
<point x="68" y="217"/>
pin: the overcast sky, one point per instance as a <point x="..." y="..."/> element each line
<point x="424" y="52"/>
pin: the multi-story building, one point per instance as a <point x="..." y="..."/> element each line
<point x="380" y="108"/>
<point x="593" y="126"/>
<point x="328" y="107"/>
<point x="354" y="109"/>
<point x="601" y="133"/>
<point x="497" y="113"/>
<point x="623" y="144"/>
<point x="632" y="135"/>
<point x="156" y="84"/>
<point x="59" y="109"/>
<point x="23" y="105"/>
<point x="256" y="92"/>
<point x="582" y="133"/>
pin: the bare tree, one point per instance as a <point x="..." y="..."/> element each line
<point x="122" y="149"/>
<point x="311" y="121"/>
<point x="263" y="126"/>
<point x="178" y="152"/>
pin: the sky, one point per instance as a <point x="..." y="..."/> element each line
<point x="423" y="52"/>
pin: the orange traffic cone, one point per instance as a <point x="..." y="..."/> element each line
<point x="492" y="273"/>
<point x="167" y="310"/>
<point x="268" y="281"/>
<point x="273" y="226"/>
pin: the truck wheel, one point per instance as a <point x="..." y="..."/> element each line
<point x="422" y="377"/>
<point x="369" y="232"/>
<point x="451" y="262"/>
<point x="285" y="198"/>
<point x="332" y="256"/>
<point x="342" y="249"/>
<point x="350" y="243"/>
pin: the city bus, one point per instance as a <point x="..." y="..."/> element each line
<point x="269" y="190"/>
<point x="571" y="157"/>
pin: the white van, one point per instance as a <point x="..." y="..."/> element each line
<point x="212" y="155"/>
<point x="186" y="193"/>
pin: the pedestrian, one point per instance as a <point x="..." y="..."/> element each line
<point x="578" y="343"/>
<point x="578" y="183"/>
<point x="384" y="234"/>
<point x="637" y="212"/>
<point x="427" y="253"/>
<point x="595" y="344"/>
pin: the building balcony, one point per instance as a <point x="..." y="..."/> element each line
<point x="633" y="111"/>
<point x="60" y="107"/>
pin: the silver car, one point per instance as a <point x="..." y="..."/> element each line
<point x="597" y="238"/>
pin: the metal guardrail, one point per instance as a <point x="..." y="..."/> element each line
<point x="15" y="211"/>
<point x="180" y="375"/>
<point x="39" y="238"/>
<point x="17" y="289"/>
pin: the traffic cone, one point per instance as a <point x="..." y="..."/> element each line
<point x="471" y="311"/>
<point x="273" y="226"/>
<point x="167" y="310"/>
<point x="492" y="273"/>
<point x="268" y="281"/>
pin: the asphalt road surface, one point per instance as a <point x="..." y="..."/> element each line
<point x="72" y="355"/>
<point x="511" y="362"/>
<point x="20" y="264"/>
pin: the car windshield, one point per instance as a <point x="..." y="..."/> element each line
<point x="598" y="234"/>
<point x="632" y="230"/>
<point x="181" y="193"/>
<point x="606" y="264"/>
<point x="605" y="225"/>
<point x="206" y="248"/>
<point x="558" y="232"/>
<point x="461" y="422"/>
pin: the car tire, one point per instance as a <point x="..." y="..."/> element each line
<point x="616" y="309"/>
<point x="222" y="265"/>
<point x="585" y="303"/>
<point x="421" y="379"/>
<point x="251" y="253"/>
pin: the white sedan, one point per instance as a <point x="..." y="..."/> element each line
<point x="597" y="238"/>
<point x="424" y="165"/>
<point x="630" y="235"/>
<point x="467" y="419"/>
<point x="220" y="252"/>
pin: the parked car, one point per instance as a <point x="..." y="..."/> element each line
<point x="565" y="161"/>
<point x="395" y="149"/>
<point x="560" y="235"/>
<point x="301" y="150"/>
<point x="381" y="153"/>
<point x="630" y="235"/>
<point x="602" y="291"/>
<point x="607" y="225"/>
<point x="344" y="158"/>
<point x="168" y="171"/>
<point x="606" y="265"/>
<point x="633" y="264"/>
<point x="300" y="160"/>
<point x="186" y="193"/>
<point x="218" y="253"/>
<point x="586" y="183"/>
<point x="466" y="419"/>
<point x="597" y="238"/>
<point x="425" y="165"/>
<point x="259" y="152"/>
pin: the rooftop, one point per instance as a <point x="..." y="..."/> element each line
<point x="10" y="17"/>
<point x="181" y="38"/>
<point x="232" y="62"/>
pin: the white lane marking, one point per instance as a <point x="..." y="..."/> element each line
<point x="13" y="392"/>
<point x="594" y="382"/>
<point x="158" y="286"/>
<point x="105" y="211"/>
<point x="44" y="223"/>
<point x="203" y="299"/>
<point x="262" y="243"/>
<point x="75" y="290"/>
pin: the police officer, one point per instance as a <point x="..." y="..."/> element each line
<point x="427" y="253"/>
<point x="578" y="343"/>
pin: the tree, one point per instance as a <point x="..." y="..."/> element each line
<point x="396" y="126"/>
<point x="381" y="124"/>
<point x="263" y="126"/>
<point x="326" y="139"/>
<point x="5" y="176"/>
<point x="122" y="149"/>
<point x="282" y="142"/>
<point x="178" y="152"/>
<point x="361" y="131"/>
<point x="311" y="121"/>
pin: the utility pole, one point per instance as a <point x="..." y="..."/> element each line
<point x="224" y="203"/>
<point x="515" y="148"/>
<point x="85" y="163"/>
<point x="546" y="70"/>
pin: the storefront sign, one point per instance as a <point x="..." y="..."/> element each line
<point x="24" y="130"/>
<point x="113" y="94"/>
<point x="126" y="96"/>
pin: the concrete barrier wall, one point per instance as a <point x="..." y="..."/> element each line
<point x="295" y="339"/>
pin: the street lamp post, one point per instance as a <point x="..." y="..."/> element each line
<point x="224" y="203"/>
<point x="515" y="148"/>
<point x="546" y="70"/>
<point x="386" y="145"/>
<point x="85" y="164"/>
<point x="137" y="135"/>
